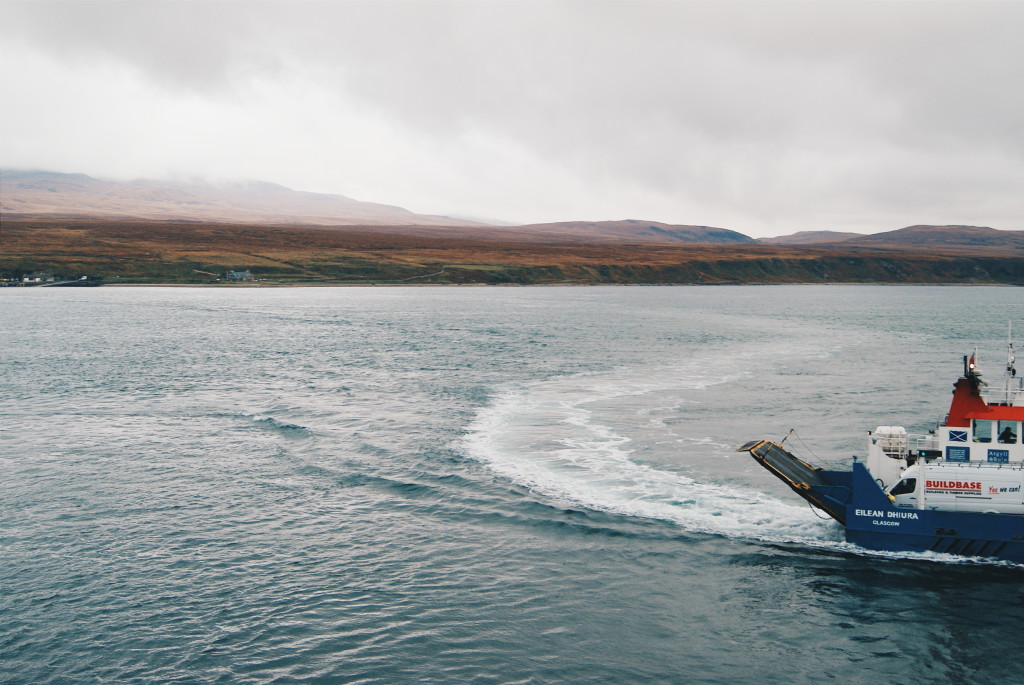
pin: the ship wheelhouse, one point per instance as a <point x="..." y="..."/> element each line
<point x="985" y="423"/>
<point x="984" y="428"/>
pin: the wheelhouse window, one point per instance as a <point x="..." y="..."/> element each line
<point x="1007" y="432"/>
<point x="982" y="430"/>
<point x="905" y="486"/>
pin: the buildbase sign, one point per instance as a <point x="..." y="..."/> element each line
<point x="954" y="487"/>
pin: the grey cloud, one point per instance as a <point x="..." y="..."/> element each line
<point x="186" y="45"/>
<point x="790" y="111"/>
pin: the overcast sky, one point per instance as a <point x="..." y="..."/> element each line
<point x="762" y="117"/>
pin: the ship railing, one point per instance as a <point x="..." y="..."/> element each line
<point x="1006" y="396"/>
<point x="923" y="441"/>
<point x="985" y="465"/>
<point x="899" y="447"/>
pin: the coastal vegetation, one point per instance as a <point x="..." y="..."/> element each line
<point x="186" y="252"/>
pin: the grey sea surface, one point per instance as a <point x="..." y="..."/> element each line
<point x="475" y="485"/>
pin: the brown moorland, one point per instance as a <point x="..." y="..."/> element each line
<point x="197" y="252"/>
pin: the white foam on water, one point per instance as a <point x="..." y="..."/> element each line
<point x="557" y="438"/>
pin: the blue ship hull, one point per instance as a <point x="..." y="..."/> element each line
<point x="872" y="521"/>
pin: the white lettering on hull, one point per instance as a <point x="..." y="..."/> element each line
<point x="879" y="514"/>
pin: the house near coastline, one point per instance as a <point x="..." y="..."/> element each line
<point x="39" y="277"/>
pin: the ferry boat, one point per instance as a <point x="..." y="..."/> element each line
<point x="956" y="490"/>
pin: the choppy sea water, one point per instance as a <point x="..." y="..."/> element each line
<point x="480" y="485"/>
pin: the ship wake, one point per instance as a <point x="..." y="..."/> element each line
<point x="563" y="438"/>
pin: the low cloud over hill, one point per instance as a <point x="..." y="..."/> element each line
<point x="36" y="193"/>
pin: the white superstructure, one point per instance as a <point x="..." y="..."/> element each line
<point x="972" y="462"/>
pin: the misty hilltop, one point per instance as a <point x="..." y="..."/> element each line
<point x="43" y="193"/>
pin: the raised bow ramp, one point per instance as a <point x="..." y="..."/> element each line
<point x="824" y="489"/>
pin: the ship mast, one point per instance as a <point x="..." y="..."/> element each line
<point x="1013" y="387"/>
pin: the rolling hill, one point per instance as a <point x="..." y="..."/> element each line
<point x="628" y="231"/>
<point x="944" y="237"/>
<point x="48" y="194"/>
<point x="810" y="238"/>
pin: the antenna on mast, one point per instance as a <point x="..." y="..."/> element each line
<point x="1010" y="359"/>
<point x="1012" y="394"/>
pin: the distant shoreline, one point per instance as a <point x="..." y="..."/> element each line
<point x="543" y="285"/>
<point x="208" y="255"/>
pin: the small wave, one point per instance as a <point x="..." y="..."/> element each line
<point x="933" y="557"/>
<point x="273" y="424"/>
